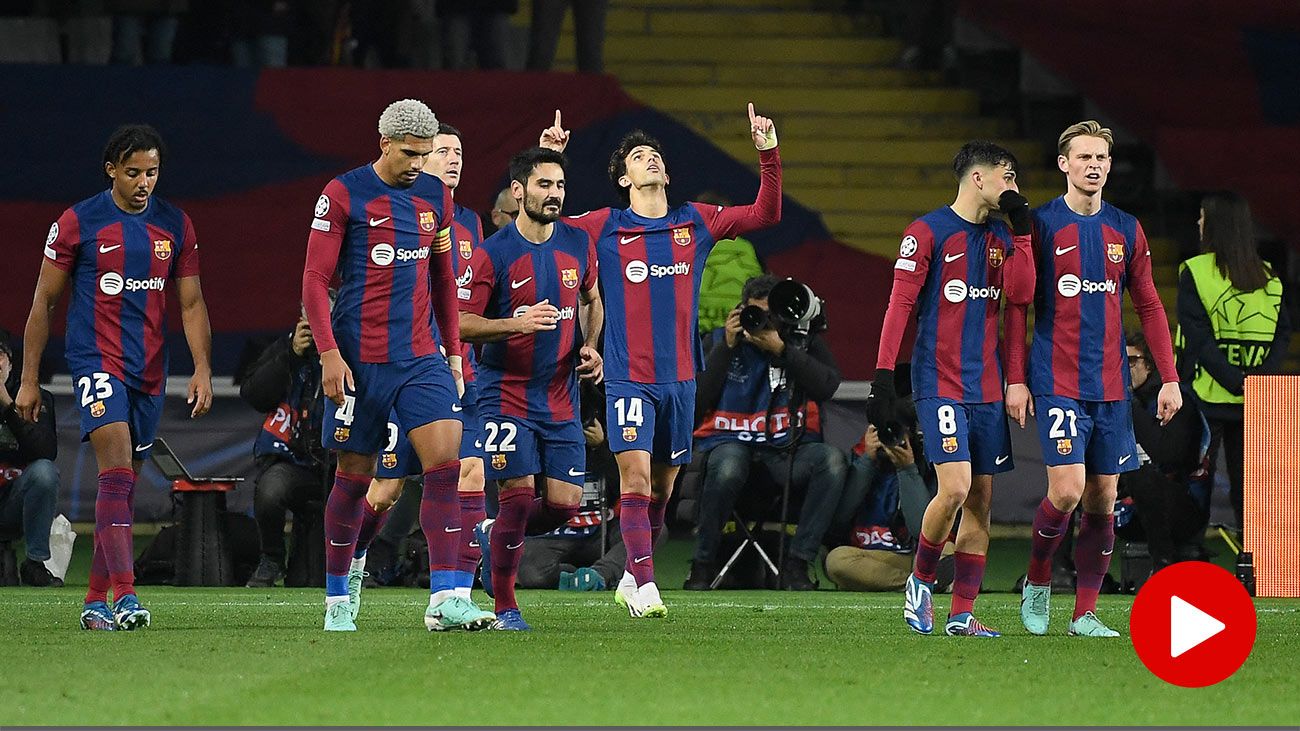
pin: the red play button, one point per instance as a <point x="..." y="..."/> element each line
<point x="1193" y="624"/>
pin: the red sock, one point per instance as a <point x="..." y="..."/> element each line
<point x="966" y="582"/>
<point x="440" y="522"/>
<point x="1092" y="553"/>
<point x="927" y="559"/>
<point x="471" y="514"/>
<point x="634" y="524"/>
<point x="508" y="545"/>
<point x="113" y="528"/>
<point x="1049" y="530"/>
<point x="344" y="510"/>
<point x="545" y="516"/>
<point x="99" y="583"/>
<point x="372" y="521"/>
<point x="656" y="511"/>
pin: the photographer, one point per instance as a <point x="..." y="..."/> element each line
<point x="29" y="480"/>
<point x="1166" y="502"/>
<point x="750" y="395"/>
<point x="284" y="384"/>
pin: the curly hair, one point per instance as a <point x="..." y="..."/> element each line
<point x="132" y="138"/>
<point x="408" y="117"/>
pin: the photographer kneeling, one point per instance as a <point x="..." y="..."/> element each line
<point x="755" y="383"/>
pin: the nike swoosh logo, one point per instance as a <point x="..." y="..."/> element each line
<point x="953" y="257"/>
<point x="121" y="525"/>
<point x="1002" y="459"/>
<point x="377" y="221"/>
<point x="576" y="474"/>
<point x="473" y="544"/>
<point x="517" y="285"/>
<point x="336" y="543"/>
<point x="677" y="454"/>
<point x="517" y="545"/>
<point x="451" y="530"/>
<point x="1063" y="252"/>
<point x="143" y="447"/>
<point x="1107" y="553"/>
<point x="639" y="560"/>
<point x="457" y="408"/>
<point x="1124" y="459"/>
<point x="628" y="239"/>
<point x="1054" y="535"/>
<point x="105" y="249"/>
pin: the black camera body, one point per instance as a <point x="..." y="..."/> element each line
<point x="793" y="311"/>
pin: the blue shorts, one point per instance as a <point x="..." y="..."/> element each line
<point x="658" y="418"/>
<point x="517" y="447"/>
<point x="104" y="399"/>
<point x="418" y="391"/>
<point x="959" y="432"/>
<point x="398" y="457"/>
<point x="1096" y="434"/>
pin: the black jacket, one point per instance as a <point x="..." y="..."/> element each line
<point x="21" y="442"/>
<point x="269" y="381"/>
<point x="813" y="370"/>
<point x="1175" y="449"/>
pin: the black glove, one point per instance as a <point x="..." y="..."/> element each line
<point x="1016" y="208"/>
<point x="882" y="402"/>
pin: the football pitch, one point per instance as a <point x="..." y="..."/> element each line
<point x="239" y="656"/>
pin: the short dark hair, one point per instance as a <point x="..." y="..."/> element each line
<point x="618" y="161"/>
<point x="758" y="287"/>
<point x="131" y="138"/>
<point x="523" y="163"/>
<point x="447" y="129"/>
<point x="981" y="152"/>
<point x="1137" y="340"/>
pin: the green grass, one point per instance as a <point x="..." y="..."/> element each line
<point x="235" y="656"/>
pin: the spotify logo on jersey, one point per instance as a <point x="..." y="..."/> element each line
<point x="637" y="271"/>
<point x="954" y="290"/>
<point x="382" y="254"/>
<point x="111" y="284"/>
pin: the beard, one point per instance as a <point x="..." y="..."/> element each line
<point x="536" y="209"/>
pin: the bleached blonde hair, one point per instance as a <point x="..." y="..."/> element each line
<point x="408" y="117"/>
<point x="1090" y="128"/>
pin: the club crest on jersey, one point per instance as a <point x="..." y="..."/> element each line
<point x="498" y="461"/>
<point x="427" y="221"/>
<point x="390" y="460"/>
<point x="681" y="236"/>
<point x="629" y="434"/>
<point x="466" y="248"/>
<point x="1115" y="252"/>
<point x="1064" y="446"/>
<point x="97" y="409"/>
<point x="162" y="249"/>
<point x="950" y="444"/>
<point x="342" y="433"/>
<point x="996" y="257"/>
<point x="569" y="277"/>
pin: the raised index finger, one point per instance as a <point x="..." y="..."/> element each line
<point x="751" y="113"/>
<point x="557" y="118"/>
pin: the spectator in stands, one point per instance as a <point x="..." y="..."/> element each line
<point x="144" y="31"/>
<point x="294" y="470"/>
<point x="574" y="555"/>
<point x="880" y="512"/>
<point x="754" y="386"/>
<point x="29" y="481"/>
<point x="1232" y="322"/>
<point x="1169" y="495"/>
<point x="478" y="26"/>
<point x="589" y="36"/>
<point x="927" y="35"/>
<point x="504" y="210"/>
<point x="260" y="30"/>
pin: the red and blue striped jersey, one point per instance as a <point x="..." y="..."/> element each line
<point x="650" y="270"/>
<point x="391" y="247"/>
<point x="531" y="376"/>
<point x="951" y="272"/>
<point x="119" y="264"/>
<point x="466" y="236"/>
<point x="1085" y="263"/>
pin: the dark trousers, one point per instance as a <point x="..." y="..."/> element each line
<point x="283" y="487"/>
<point x="1231" y="434"/>
<point x="588" y="25"/>
<point x="27" y="507"/>
<point x="819" y="472"/>
<point x="1167" y="516"/>
<point x="546" y="556"/>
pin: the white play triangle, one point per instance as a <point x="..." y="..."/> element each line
<point x="1189" y="626"/>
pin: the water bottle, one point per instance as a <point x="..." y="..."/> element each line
<point x="1246" y="571"/>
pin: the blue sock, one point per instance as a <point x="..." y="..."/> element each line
<point x="463" y="579"/>
<point x="336" y="585"/>
<point x="441" y="581"/>
<point x="360" y="553"/>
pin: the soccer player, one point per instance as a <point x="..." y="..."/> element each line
<point x="398" y="459"/>
<point x="1088" y="252"/>
<point x="386" y="227"/>
<point x="650" y="259"/>
<point x="117" y="250"/>
<point x="953" y="265"/>
<point x="531" y="280"/>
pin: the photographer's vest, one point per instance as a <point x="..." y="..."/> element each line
<point x="753" y="391"/>
<point x="1244" y="323"/>
<point x="283" y="423"/>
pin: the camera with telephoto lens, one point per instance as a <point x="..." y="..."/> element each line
<point x="754" y="318"/>
<point x="796" y="310"/>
